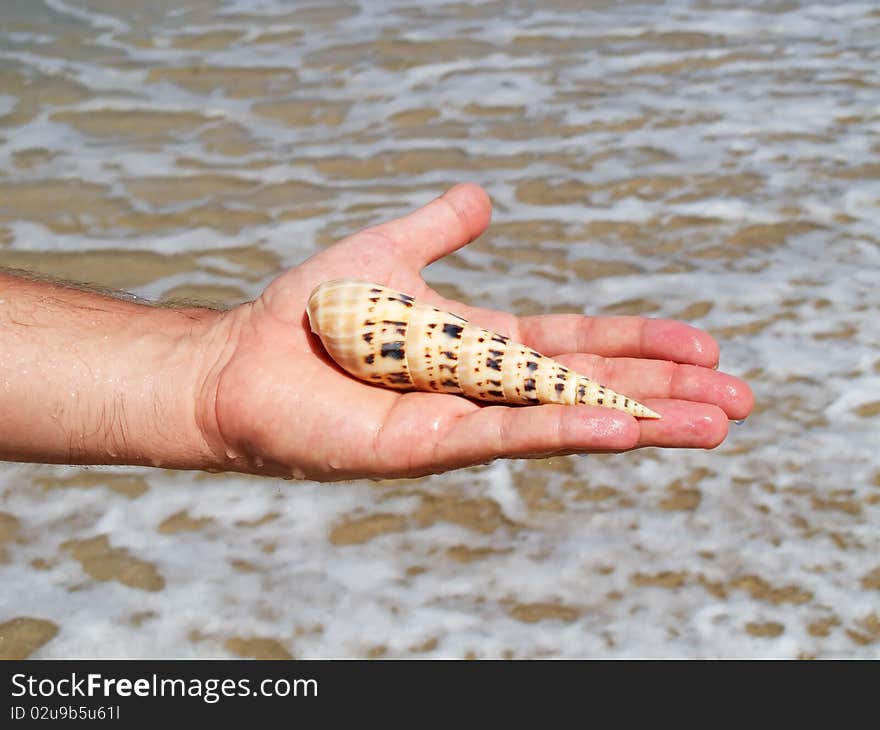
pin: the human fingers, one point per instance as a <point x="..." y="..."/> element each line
<point x="684" y="425"/>
<point x="539" y="431"/>
<point x="445" y="224"/>
<point x="662" y="339"/>
<point x="428" y="432"/>
<point x="642" y="379"/>
<point x="524" y="432"/>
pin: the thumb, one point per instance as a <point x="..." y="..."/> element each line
<point x="442" y="226"/>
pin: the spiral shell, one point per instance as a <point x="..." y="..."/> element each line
<point x="389" y="339"/>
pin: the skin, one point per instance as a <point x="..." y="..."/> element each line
<point x="90" y="379"/>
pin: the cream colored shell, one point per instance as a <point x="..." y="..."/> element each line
<point x="389" y="339"/>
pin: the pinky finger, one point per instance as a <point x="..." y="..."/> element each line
<point x="498" y="431"/>
<point x="684" y="425"/>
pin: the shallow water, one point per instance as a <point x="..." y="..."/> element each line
<point x="710" y="161"/>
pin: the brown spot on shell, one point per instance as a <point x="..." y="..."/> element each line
<point x="395" y="350"/>
<point x="405" y="299"/>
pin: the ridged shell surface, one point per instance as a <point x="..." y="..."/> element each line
<point x="387" y="338"/>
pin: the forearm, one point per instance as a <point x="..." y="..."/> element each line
<point x="90" y="379"/>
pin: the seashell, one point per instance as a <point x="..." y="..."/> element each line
<point x="389" y="339"/>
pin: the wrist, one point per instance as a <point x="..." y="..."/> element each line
<point x="154" y="404"/>
<point x="90" y="379"/>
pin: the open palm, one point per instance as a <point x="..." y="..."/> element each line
<point x="273" y="402"/>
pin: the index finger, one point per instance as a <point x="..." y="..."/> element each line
<point x="656" y="339"/>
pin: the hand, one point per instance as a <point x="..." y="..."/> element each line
<point x="272" y="402"/>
